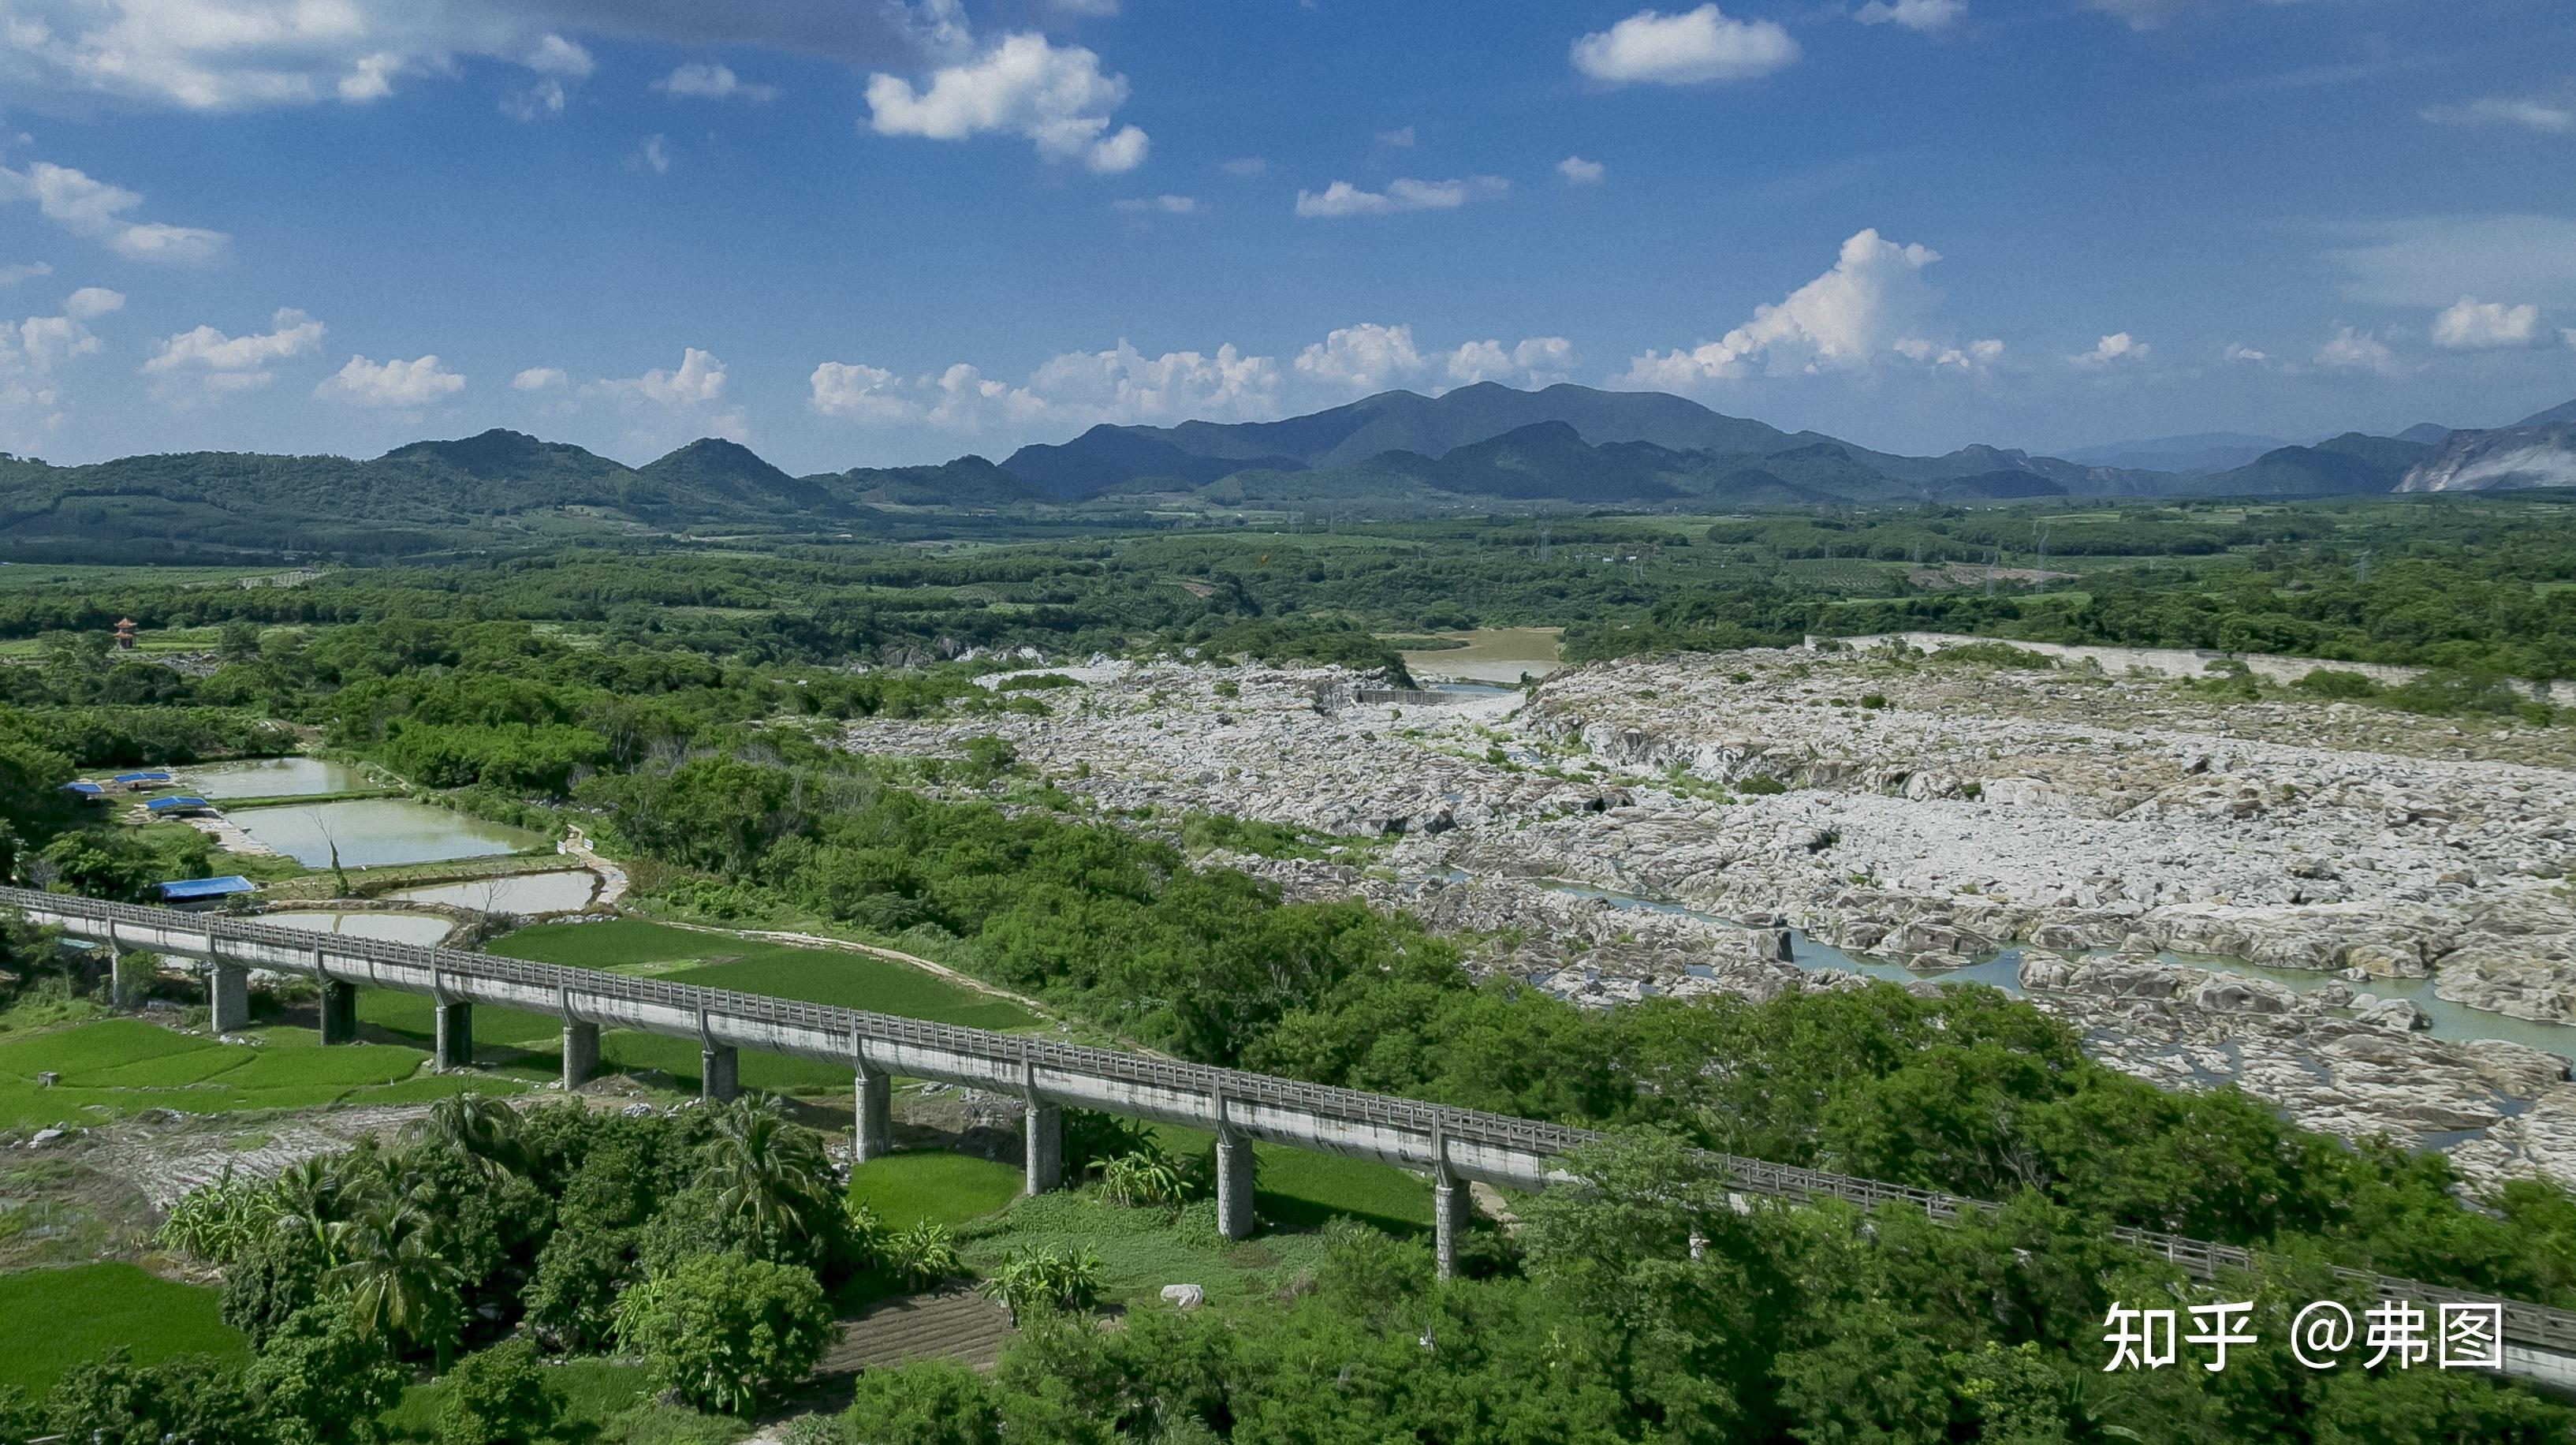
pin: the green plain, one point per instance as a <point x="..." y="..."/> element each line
<point x="51" y="1319"/>
<point x="936" y="1187"/>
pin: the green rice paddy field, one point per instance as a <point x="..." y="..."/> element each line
<point x="51" y="1319"/>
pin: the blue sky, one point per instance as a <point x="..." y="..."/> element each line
<point x="868" y="232"/>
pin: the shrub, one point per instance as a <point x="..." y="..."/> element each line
<point x="725" y="1333"/>
<point x="920" y="1256"/>
<point x="498" y="1397"/>
<point x="1038" y="1277"/>
<point x="2329" y="682"/>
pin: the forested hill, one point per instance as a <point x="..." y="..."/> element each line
<point x="499" y="487"/>
<point x="1478" y="448"/>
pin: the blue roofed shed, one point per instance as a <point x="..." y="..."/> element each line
<point x="85" y="791"/>
<point x="143" y="781"/>
<point x="170" y="807"/>
<point x="202" y="890"/>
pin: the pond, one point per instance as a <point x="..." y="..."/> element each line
<point x="528" y="894"/>
<point x="387" y="927"/>
<point x="272" y="778"/>
<point x="375" y="832"/>
<point x="1491" y="654"/>
<point x="2002" y="969"/>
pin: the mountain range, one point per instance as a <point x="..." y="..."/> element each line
<point x="1478" y="447"/>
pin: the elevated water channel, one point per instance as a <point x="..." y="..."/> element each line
<point x="2002" y="970"/>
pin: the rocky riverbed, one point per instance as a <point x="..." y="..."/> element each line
<point x="1924" y="814"/>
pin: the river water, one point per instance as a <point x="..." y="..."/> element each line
<point x="2002" y="970"/>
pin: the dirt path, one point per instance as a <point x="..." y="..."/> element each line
<point x="612" y="879"/>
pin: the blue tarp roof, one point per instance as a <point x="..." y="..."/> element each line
<point x="224" y="887"/>
<point x="164" y="805"/>
<point x="154" y="776"/>
<point x="86" y="790"/>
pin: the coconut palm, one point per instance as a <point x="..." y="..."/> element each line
<point x="768" y="1176"/>
<point x="398" y="1280"/>
<point x="477" y="1126"/>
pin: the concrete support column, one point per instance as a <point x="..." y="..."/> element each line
<point x="1234" y="1189"/>
<point x="339" y="1012"/>
<point x="1042" y="1147"/>
<point x="1450" y="1207"/>
<point x="580" y="1053"/>
<point x="455" y="1035"/>
<point x="719" y="1072"/>
<point x="228" y="991"/>
<point x="876" y="1113"/>
<point x="115" y="972"/>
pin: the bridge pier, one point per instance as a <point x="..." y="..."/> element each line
<point x="719" y="1072"/>
<point x="455" y="1035"/>
<point x="580" y="1053"/>
<point x="339" y="1012"/>
<point x="1042" y="1148"/>
<point x="876" y="1113"/>
<point x="228" y="995"/>
<point x="1450" y="1207"/>
<point x="1234" y="1189"/>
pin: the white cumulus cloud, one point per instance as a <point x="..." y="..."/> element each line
<point x="1923" y="15"/>
<point x="1580" y="172"/>
<point x="390" y="383"/>
<point x="1341" y="198"/>
<point x="699" y="381"/>
<point x="12" y="274"/>
<point x="1842" y="320"/>
<point x="1076" y="389"/>
<point x="2111" y="350"/>
<point x="91" y="302"/>
<point x="2356" y="350"/>
<point x="247" y="54"/>
<point x="95" y="209"/>
<point x="541" y="378"/>
<point x="1690" y="48"/>
<point x="1535" y="361"/>
<point x="1168" y="205"/>
<point x="1055" y="96"/>
<point x="205" y="363"/>
<point x="2473" y="325"/>
<point x="2245" y="355"/>
<point x="1365" y="357"/>
<point x="703" y="81"/>
<point x="1975" y="356"/>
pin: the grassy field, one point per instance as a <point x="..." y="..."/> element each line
<point x="942" y="1188"/>
<point x="813" y="975"/>
<point x="51" y="1319"/>
<point x="1142" y="1250"/>
<point x="596" y="1394"/>
<point x="115" y="1067"/>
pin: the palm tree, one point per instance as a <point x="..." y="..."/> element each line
<point x="321" y="1195"/>
<point x="481" y="1128"/>
<point x="767" y="1175"/>
<point x="397" y="1280"/>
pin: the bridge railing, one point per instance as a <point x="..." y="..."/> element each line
<point x="2538" y="1326"/>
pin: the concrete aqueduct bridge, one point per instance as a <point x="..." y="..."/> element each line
<point x="1453" y="1146"/>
